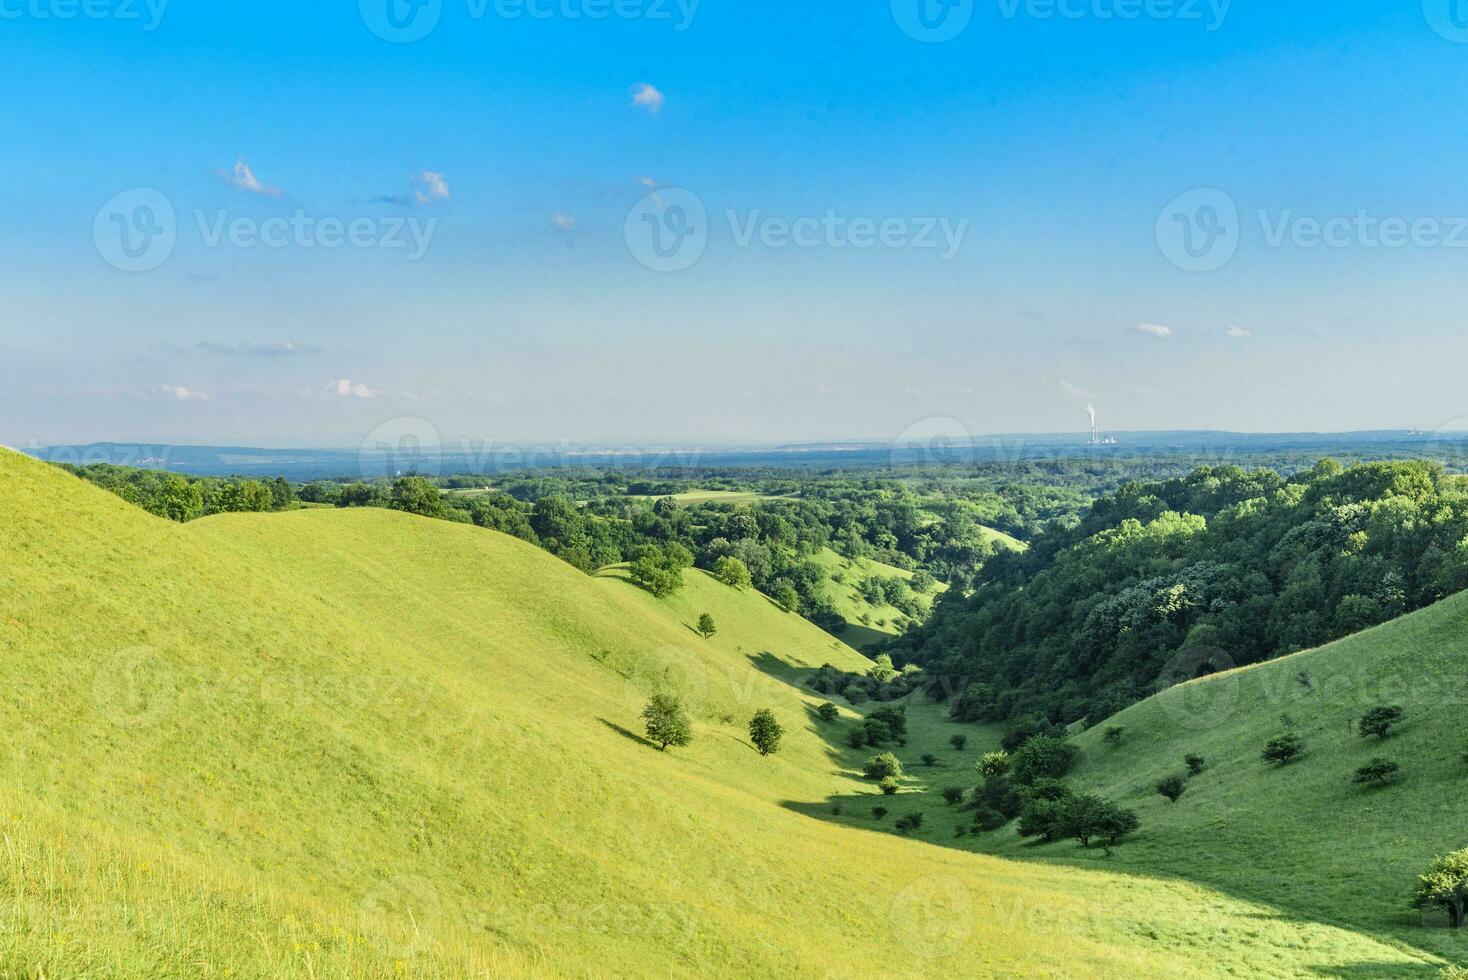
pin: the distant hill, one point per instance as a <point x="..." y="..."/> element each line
<point x="357" y="743"/>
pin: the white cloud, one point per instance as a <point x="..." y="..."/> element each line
<point x="563" y="221"/>
<point x="646" y="97"/>
<point x="243" y="178"/>
<point x="345" y="389"/>
<point x="179" y="393"/>
<point x="1238" y="332"/>
<point x="428" y="188"/>
<point x="1153" y="330"/>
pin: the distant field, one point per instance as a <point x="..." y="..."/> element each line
<point x="693" y="497"/>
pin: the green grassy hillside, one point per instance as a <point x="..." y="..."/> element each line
<point x="867" y="623"/>
<point x="1304" y="836"/>
<point x="355" y="743"/>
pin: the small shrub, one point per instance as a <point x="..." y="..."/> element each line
<point x="765" y="732"/>
<point x="987" y="818"/>
<point x="1283" y="749"/>
<point x="890" y="786"/>
<point x="857" y="737"/>
<point x="706" y="627"/>
<point x="884" y="766"/>
<point x="1043" y="756"/>
<point x="958" y="742"/>
<point x="997" y="764"/>
<point x="877" y="731"/>
<point x="1113" y="735"/>
<point x="1377" y="772"/>
<point x="878" y="812"/>
<point x="953" y="795"/>
<point x="1195" y="763"/>
<point x="1172" y="787"/>
<point x="929" y="759"/>
<point x="1379" y="721"/>
<point x="909" y="823"/>
<point x="1303" y="677"/>
<point x="667" y="723"/>
<point x="828" y="712"/>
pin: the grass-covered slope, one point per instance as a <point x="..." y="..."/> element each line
<point x="1304" y="834"/>
<point x="356" y="743"/>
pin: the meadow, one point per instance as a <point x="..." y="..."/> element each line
<point x="338" y="743"/>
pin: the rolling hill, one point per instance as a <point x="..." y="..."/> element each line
<point x="357" y="743"/>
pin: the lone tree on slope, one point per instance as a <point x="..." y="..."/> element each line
<point x="1379" y="721"/>
<point x="765" y="732"/>
<point x="706" y="627"/>
<point x="667" y="723"/>
<point x="1445" y="885"/>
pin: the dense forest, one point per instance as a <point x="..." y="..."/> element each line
<point x="1160" y="581"/>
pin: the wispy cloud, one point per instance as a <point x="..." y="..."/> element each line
<point x="1238" y="332"/>
<point x="346" y="389"/>
<point x="178" y="393"/>
<point x="563" y="221"/>
<point x="287" y="348"/>
<point x="1154" y="330"/>
<point x="645" y="96"/>
<point x="242" y="178"/>
<point x="428" y="188"/>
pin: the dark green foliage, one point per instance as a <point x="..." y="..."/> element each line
<point x="1042" y="757"/>
<point x="660" y="573"/>
<point x="883" y="766"/>
<point x="1283" y="749"/>
<point x="1445" y="886"/>
<point x="987" y="818"/>
<point x="876" y="730"/>
<point x="1220" y="568"/>
<point x="1113" y="736"/>
<point x="953" y="795"/>
<point x="909" y="823"/>
<point x="929" y="759"/>
<point x="895" y="718"/>
<point x="857" y="737"/>
<point x="890" y="785"/>
<point x="765" y="732"/>
<point x="1377" y="772"/>
<point x="997" y="793"/>
<point x="707" y="628"/>
<point x="1041" y="818"/>
<point x="878" y="812"/>
<point x="828" y="712"/>
<point x="1172" y="787"/>
<point x="1027" y="729"/>
<point x="1090" y="817"/>
<point x="1195" y="763"/>
<point x="667" y="723"/>
<point x="416" y="495"/>
<point x="958" y="742"/>
<point x="1379" y="721"/>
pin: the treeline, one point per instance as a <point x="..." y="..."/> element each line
<point x="1163" y="581"/>
<point x="186" y="498"/>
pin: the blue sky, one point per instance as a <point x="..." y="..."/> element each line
<point x="1052" y="140"/>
